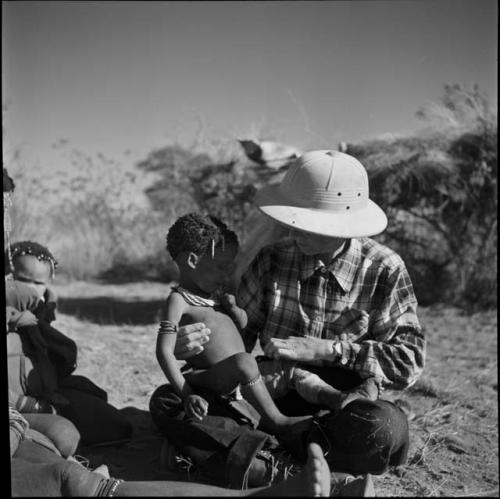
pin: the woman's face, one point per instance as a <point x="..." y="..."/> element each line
<point x="34" y="272"/>
<point x="314" y="244"/>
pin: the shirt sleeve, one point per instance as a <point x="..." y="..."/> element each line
<point x="251" y="297"/>
<point x="394" y="349"/>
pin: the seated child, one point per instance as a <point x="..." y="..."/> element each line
<point x="42" y="359"/>
<point x="204" y="250"/>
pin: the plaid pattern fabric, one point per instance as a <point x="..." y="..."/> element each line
<point x="363" y="298"/>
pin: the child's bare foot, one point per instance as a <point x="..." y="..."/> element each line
<point x="313" y="480"/>
<point x="102" y="470"/>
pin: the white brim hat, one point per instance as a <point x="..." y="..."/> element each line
<point x="324" y="192"/>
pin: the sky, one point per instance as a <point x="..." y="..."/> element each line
<point x="123" y="78"/>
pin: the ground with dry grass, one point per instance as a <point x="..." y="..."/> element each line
<point x="454" y="432"/>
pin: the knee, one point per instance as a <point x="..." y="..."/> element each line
<point x="246" y="366"/>
<point x="65" y="436"/>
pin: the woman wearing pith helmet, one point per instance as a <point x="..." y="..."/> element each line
<point x="329" y="296"/>
<point x="328" y="299"/>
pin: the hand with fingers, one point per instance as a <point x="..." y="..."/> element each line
<point x="196" y="407"/>
<point x="228" y="303"/>
<point x="190" y="340"/>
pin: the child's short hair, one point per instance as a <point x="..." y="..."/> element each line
<point x="197" y="233"/>
<point x="32" y="248"/>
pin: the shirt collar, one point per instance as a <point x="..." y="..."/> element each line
<point x="343" y="267"/>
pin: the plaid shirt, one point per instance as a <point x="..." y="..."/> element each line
<point x="363" y="298"/>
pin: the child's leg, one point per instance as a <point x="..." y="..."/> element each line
<point x="242" y="369"/>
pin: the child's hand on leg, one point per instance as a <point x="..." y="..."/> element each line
<point x="196" y="407"/>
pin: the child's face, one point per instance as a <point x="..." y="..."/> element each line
<point x="210" y="273"/>
<point x="313" y="244"/>
<point x="35" y="273"/>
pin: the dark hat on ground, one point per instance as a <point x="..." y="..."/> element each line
<point x="364" y="437"/>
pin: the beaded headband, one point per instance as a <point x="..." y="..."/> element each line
<point x="22" y="249"/>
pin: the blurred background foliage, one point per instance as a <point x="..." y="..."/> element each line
<point x="106" y="220"/>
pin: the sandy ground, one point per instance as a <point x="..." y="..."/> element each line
<point x="454" y="434"/>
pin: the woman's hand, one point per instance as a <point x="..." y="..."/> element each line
<point x="196" y="407"/>
<point x="304" y="349"/>
<point x="190" y="340"/>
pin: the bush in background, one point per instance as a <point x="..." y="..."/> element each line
<point x="92" y="213"/>
<point x="438" y="187"/>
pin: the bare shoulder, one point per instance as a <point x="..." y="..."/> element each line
<point x="175" y="299"/>
<point x="175" y="306"/>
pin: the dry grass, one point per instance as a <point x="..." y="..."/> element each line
<point x="454" y="434"/>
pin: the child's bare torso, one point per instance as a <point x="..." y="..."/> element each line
<point x="225" y="339"/>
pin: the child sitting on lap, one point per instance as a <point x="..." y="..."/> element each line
<point x="204" y="250"/>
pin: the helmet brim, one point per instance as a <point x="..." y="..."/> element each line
<point x="365" y="221"/>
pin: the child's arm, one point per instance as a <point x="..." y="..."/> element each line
<point x="165" y="344"/>
<point x="239" y="316"/>
<point x="195" y="405"/>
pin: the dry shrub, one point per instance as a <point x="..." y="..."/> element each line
<point x="92" y="212"/>
<point x="439" y="188"/>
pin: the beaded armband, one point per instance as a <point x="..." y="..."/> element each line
<point x="253" y="382"/>
<point x="167" y="327"/>
<point x="107" y="487"/>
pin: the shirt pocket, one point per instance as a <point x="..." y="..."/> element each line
<point x="351" y="325"/>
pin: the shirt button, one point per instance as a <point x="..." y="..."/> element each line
<point x="343" y="361"/>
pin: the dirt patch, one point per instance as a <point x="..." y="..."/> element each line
<point x="454" y="434"/>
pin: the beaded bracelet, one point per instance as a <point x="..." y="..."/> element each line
<point x="108" y="487"/>
<point x="167" y="327"/>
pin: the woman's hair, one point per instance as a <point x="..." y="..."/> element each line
<point x="31" y="248"/>
<point x="198" y="233"/>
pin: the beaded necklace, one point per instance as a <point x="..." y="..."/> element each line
<point x="192" y="299"/>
